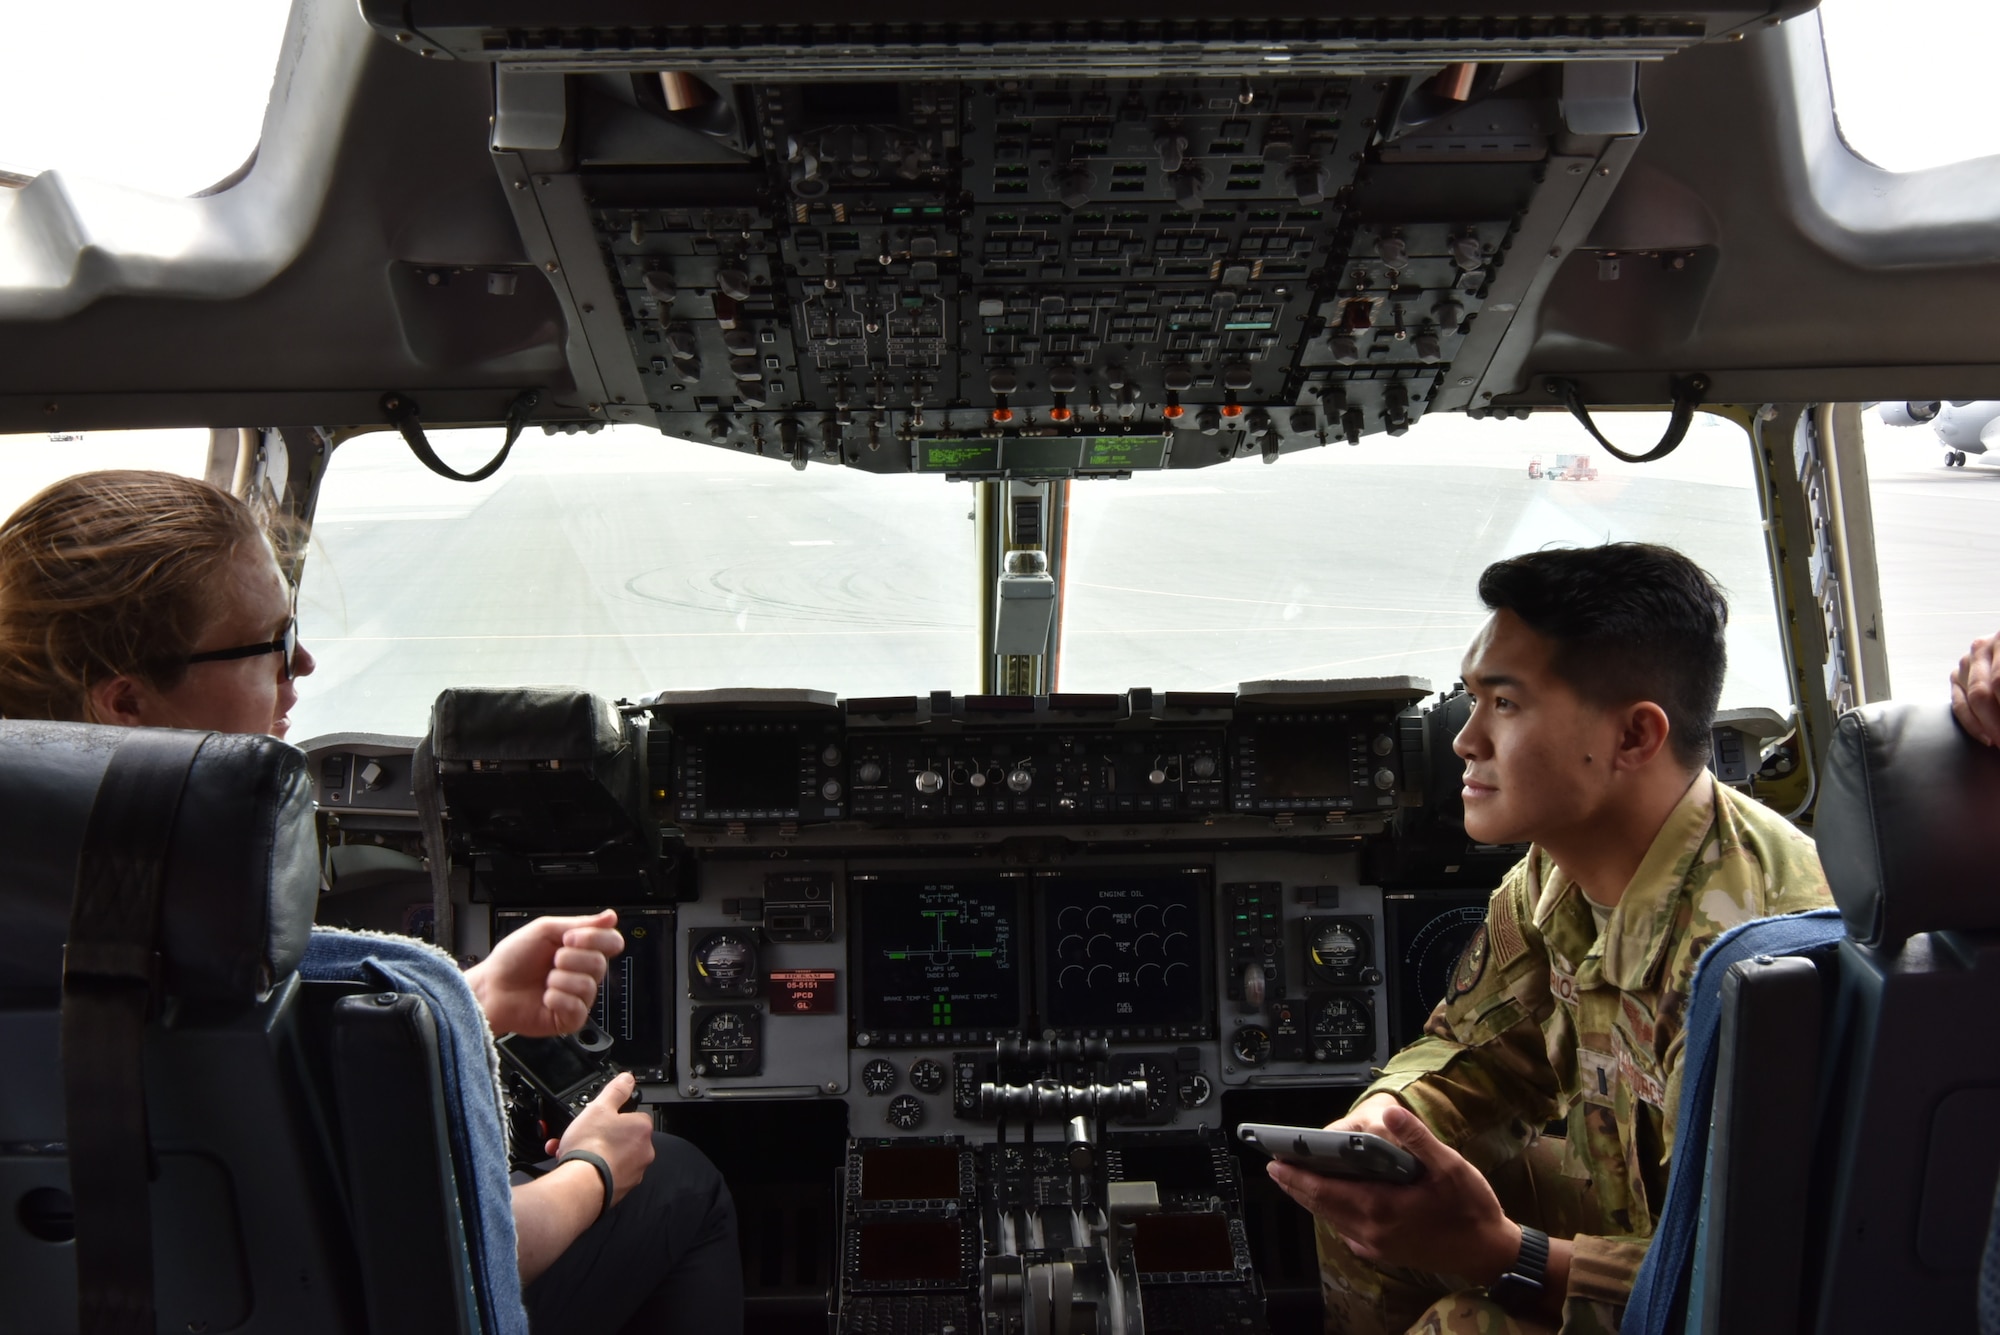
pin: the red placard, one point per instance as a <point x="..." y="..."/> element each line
<point x="802" y="991"/>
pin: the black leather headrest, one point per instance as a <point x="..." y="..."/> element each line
<point x="526" y="723"/>
<point x="242" y="873"/>
<point x="1908" y="824"/>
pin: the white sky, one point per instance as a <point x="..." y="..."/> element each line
<point x="146" y="93"/>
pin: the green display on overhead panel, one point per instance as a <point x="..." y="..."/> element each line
<point x="1056" y="456"/>
<point x="1108" y="453"/>
<point x="958" y="456"/>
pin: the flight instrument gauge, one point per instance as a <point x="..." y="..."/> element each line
<point x="728" y="1040"/>
<point x="906" y="1112"/>
<point x="1159" y="1086"/>
<point x="928" y="1076"/>
<point x="878" y="1076"/>
<point x="723" y="965"/>
<point x="1343" y="1028"/>
<point x="1338" y="951"/>
<point x="1251" y="1045"/>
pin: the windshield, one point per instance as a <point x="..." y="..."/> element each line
<point x="625" y="563"/>
<point x="1363" y="561"/>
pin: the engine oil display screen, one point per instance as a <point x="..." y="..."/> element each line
<point x="1124" y="953"/>
<point x="939" y="955"/>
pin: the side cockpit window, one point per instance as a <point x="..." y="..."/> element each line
<point x="31" y="462"/>
<point x="141" y="95"/>
<point x="1912" y="83"/>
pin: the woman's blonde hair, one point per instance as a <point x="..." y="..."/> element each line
<point x="110" y="574"/>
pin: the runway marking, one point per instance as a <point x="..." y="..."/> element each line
<point x="1278" y="602"/>
<point x="1283" y="673"/>
<point x="1233" y="630"/>
<point x="633" y="635"/>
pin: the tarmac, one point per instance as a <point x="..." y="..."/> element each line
<point x="628" y="563"/>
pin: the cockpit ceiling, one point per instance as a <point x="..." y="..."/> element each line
<point x="790" y="40"/>
<point x="1092" y="267"/>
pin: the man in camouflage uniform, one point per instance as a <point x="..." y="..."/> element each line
<point x="1594" y="688"/>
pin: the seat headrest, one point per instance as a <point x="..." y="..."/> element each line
<point x="242" y="875"/>
<point x="1908" y="824"/>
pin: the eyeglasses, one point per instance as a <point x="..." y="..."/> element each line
<point x="287" y="644"/>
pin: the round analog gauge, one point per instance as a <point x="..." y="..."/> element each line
<point x="726" y="965"/>
<point x="1337" y="949"/>
<point x="928" y="1076"/>
<point x="1195" y="1090"/>
<point x="878" y="1076"/>
<point x="1251" y="1045"/>
<point x="906" y="1112"/>
<point x="724" y="1043"/>
<point x="1342" y="1027"/>
<point x="1158" y="1087"/>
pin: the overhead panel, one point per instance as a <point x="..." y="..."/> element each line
<point x="1166" y="255"/>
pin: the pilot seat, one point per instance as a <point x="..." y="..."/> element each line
<point x="192" y="1136"/>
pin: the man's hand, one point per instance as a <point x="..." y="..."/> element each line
<point x="1975" y="690"/>
<point x="624" y="1140"/>
<point x="542" y="979"/>
<point x="1448" y="1221"/>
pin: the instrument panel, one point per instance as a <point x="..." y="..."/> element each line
<point x="956" y="913"/>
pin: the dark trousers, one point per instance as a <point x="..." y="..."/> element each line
<point x="663" y="1259"/>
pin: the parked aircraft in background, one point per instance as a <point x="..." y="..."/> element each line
<point x="1966" y="426"/>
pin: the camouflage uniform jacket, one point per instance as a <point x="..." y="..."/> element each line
<point x="1546" y="1019"/>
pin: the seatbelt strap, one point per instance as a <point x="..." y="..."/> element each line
<point x="425" y="788"/>
<point x="109" y="969"/>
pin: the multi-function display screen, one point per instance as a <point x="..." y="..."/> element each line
<point x="1428" y="930"/>
<point x="747" y="770"/>
<point x="909" y="1172"/>
<point x="1306" y="760"/>
<point x="938" y="952"/>
<point x="917" y="1252"/>
<point x="1124" y="950"/>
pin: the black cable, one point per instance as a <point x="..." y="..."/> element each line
<point x="403" y="414"/>
<point x="1688" y="392"/>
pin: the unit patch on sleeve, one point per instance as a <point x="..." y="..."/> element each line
<point x="1471" y="966"/>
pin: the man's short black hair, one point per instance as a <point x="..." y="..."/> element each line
<point x="1631" y="621"/>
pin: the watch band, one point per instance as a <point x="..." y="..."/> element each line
<point x="1521" y="1287"/>
<point x="610" y="1187"/>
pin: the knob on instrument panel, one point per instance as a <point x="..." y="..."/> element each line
<point x="1203" y="767"/>
<point x="929" y="781"/>
<point x="868" y="772"/>
<point x="1253" y="987"/>
<point x="1020" y="780"/>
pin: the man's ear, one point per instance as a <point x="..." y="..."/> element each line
<point x="121" y="701"/>
<point x="1642" y="736"/>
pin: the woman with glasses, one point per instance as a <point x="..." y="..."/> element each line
<point x="146" y="599"/>
<point x="153" y="600"/>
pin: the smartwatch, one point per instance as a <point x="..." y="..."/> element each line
<point x="1520" y="1288"/>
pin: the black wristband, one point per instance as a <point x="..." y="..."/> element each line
<point x="603" y="1172"/>
<point x="1520" y="1289"/>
